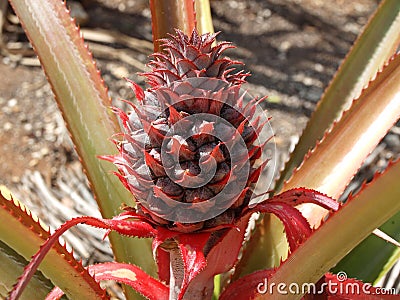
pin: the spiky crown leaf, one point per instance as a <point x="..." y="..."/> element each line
<point x="194" y="56"/>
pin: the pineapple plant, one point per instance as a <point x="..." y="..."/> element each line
<point x="189" y="155"/>
<point x="194" y="121"/>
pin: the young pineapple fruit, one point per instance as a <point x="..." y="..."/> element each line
<point x="190" y="153"/>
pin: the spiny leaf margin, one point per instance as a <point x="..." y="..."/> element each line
<point x="25" y="234"/>
<point x="368" y="54"/>
<point x="377" y="202"/>
<point x="345" y="146"/>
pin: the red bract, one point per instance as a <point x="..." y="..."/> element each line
<point x="123" y="273"/>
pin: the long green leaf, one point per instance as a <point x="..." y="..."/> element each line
<point x="25" y="234"/>
<point x="37" y="288"/>
<point x="332" y="164"/>
<point x="342" y="151"/>
<point x="369" y="260"/>
<point x="372" y="49"/>
<point x="369" y="209"/>
<point x="84" y="102"/>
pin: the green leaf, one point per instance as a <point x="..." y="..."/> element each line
<point x="25" y="234"/>
<point x="379" y="39"/>
<point x="334" y="161"/>
<point x="217" y="287"/>
<point x="84" y="102"/>
<point x="332" y="164"/>
<point x="37" y="288"/>
<point x="369" y="260"/>
<point x="371" y="50"/>
<point x="373" y="206"/>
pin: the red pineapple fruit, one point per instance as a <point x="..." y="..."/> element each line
<point x="190" y="153"/>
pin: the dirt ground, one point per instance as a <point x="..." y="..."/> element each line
<point x="291" y="47"/>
